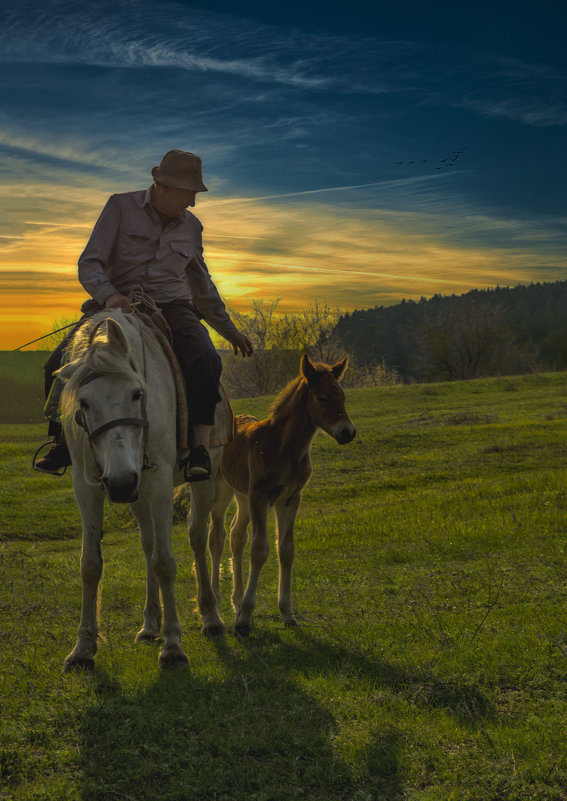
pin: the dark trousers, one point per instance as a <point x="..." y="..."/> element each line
<point x="200" y="363"/>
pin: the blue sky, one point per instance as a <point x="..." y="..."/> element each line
<point x="301" y="113"/>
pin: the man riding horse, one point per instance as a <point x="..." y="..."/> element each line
<point x="149" y="238"/>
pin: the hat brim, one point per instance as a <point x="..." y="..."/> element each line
<point x="176" y="183"/>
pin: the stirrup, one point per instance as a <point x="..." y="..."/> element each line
<point x="204" y="476"/>
<point x="46" y="472"/>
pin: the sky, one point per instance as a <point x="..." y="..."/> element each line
<point x="355" y="156"/>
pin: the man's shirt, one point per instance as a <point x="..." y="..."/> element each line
<point x="130" y="245"/>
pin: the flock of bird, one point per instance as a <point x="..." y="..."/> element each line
<point x="448" y="161"/>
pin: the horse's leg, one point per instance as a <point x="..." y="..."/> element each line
<point x="202" y="499"/>
<point x="154" y="512"/>
<point x="238" y="539"/>
<point x="90" y="501"/>
<point x="286" y="513"/>
<point x="217" y="530"/>
<point x="150" y="631"/>
<point x="259" y="550"/>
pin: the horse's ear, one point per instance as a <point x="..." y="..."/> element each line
<point x="338" y="369"/>
<point x="116" y="338"/>
<point x="308" y="369"/>
<point x="64" y="373"/>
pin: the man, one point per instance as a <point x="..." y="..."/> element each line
<point x="148" y="238"/>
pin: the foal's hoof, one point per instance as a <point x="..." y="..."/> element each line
<point x="290" y="621"/>
<point x="214" y="631"/>
<point x="242" y="629"/>
<point x="78" y="663"/>
<point x="178" y="660"/>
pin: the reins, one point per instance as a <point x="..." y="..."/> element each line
<point x="57" y="331"/>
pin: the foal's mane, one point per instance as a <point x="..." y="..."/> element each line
<point x="288" y="399"/>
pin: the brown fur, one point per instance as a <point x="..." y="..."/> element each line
<point x="268" y="464"/>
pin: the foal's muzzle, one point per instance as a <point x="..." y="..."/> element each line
<point x="345" y="434"/>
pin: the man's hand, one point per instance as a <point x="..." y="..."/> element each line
<point x="118" y="301"/>
<point x="240" y="342"/>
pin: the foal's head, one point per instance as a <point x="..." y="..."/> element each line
<point x="326" y="399"/>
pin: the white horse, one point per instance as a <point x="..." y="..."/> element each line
<point x="119" y="417"/>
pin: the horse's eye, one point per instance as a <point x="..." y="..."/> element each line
<point x="83" y="404"/>
<point x="137" y="394"/>
<point x="321" y="399"/>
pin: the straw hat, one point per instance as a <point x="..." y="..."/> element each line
<point x="180" y="170"/>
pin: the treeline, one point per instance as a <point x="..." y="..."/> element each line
<point x="279" y="342"/>
<point x="502" y="331"/>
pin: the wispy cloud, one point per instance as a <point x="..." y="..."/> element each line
<point x="143" y="34"/>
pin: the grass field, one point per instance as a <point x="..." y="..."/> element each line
<point x="431" y="657"/>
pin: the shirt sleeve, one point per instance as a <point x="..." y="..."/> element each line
<point x="206" y="297"/>
<point x="94" y="259"/>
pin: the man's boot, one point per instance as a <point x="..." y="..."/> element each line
<point x="56" y="460"/>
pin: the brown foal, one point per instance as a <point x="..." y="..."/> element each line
<point x="268" y="464"/>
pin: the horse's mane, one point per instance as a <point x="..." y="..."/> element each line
<point x="88" y="353"/>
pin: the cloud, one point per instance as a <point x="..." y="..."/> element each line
<point x="170" y="35"/>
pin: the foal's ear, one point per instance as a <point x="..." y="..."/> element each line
<point x="338" y="369"/>
<point x="116" y="338"/>
<point x="308" y="369"/>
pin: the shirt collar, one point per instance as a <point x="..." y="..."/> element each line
<point x="146" y="201"/>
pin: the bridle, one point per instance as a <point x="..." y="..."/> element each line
<point x="118" y="421"/>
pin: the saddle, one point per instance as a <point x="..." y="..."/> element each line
<point x="150" y="314"/>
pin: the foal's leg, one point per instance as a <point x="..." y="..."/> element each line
<point x="90" y="501"/>
<point x="154" y="513"/>
<point x="286" y="513"/>
<point x="202" y="499"/>
<point x="238" y="539"/>
<point x="259" y="550"/>
<point x="217" y="530"/>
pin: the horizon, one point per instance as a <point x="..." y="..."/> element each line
<point x="355" y="161"/>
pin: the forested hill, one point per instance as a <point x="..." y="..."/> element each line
<point x="484" y="332"/>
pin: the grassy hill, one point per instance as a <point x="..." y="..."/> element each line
<point x="430" y="662"/>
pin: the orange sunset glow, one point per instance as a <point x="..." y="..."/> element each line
<point x="297" y="252"/>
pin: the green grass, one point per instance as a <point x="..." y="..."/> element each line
<point x="431" y="658"/>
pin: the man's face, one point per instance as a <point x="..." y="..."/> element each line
<point x="172" y="201"/>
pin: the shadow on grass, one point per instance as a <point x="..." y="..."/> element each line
<point x="256" y="733"/>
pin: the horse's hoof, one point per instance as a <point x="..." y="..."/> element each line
<point x="290" y="621"/>
<point x="214" y="631"/>
<point x="78" y="663"/>
<point x="242" y="629"/>
<point x="147" y="637"/>
<point x="178" y="660"/>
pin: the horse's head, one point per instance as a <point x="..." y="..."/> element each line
<point x="104" y="396"/>
<point x="326" y="401"/>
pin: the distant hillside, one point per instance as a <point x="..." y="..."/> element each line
<point x="21" y="379"/>
<point x="500" y="331"/>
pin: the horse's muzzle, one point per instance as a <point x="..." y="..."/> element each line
<point x="123" y="490"/>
